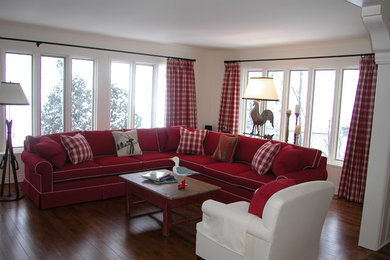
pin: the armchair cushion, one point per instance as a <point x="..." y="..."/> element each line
<point x="265" y="192"/>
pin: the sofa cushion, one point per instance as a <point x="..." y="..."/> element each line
<point x="211" y="142"/>
<point x="52" y="151"/>
<point x="191" y="142"/>
<point x="173" y="139"/>
<point x="111" y="165"/>
<point x="252" y="180"/>
<point x="246" y="148"/>
<point x="195" y="162"/>
<point x="126" y="143"/>
<point x="77" y="148"/>
<point x="225" y="149"/>
<point x="101" y="142"/>
<point x="265" y="192"/>
<point x="155" y="160"/>
<point x="148" y="140"/>
<point x="263" y="158"/>
<point x="83" y="170"/>
<point x="225" y="171"/>
<point x="289" y="159"/>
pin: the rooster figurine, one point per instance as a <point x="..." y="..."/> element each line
<point x="260" y="119"/>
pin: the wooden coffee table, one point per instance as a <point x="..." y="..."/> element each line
<point x="166" y="196"/>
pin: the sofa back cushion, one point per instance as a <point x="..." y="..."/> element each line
<point x="211" y="142"/>
<point x="52" y="151"/>
<point x="246" y="148"/>
<point x="148" y="140"/>
<point x="101" y="142"/>
<point x="32" y="141"/>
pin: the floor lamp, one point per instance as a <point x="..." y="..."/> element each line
<point x="10" y="94"/>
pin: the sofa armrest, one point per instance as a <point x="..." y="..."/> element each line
<point x="38" y="171"/>
<point x="306" y="175"/>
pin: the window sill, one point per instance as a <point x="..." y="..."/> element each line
<point x="335" y="163"/>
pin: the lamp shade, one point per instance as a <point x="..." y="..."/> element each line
<point x="261" y="89"/>
<point x="12" y="94"/>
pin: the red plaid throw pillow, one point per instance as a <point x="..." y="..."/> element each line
<point x="191" y="142"/>
<point x="263" y="158"/>
<point x="77" y="147"/>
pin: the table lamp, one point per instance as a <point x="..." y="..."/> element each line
<point x="10" y="94"/>
<point x="260" y="88"/>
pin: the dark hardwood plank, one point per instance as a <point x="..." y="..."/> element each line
<point x="103" y="230"/>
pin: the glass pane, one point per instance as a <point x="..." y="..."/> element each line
<point x="249" y="104"/>
<point x="119" y="102"/>
<point x="321" y="124"/>
<point x="82" y="89"/>
<point x="143" y="96"/>
<point x="349" y="87"/>
<point x="297" y="99"/>
<point x="275" y="106"/>
<point x="18" y="69"/>
<point x="52" y="95"/>
<point x="161" y="94"/>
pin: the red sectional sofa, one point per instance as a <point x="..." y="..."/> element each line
<point x="49" y="185"/>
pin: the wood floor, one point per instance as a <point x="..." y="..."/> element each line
<point x="101" y="230"/>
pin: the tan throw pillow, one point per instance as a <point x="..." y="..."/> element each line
<point x="126" y="143"/>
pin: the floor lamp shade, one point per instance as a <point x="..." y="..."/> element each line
<point x="261" y="89"/>
<point x="12" y="94"/>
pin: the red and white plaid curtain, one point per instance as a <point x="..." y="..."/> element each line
<point x="354" y="172"/>
<point x="181" y="94"/>
<point x="230" y="99"/>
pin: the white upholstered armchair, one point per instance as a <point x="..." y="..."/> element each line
<point x="290" y="227"/>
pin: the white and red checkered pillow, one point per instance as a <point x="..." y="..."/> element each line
<point x="263" y="158"/>
<point x="77" y="148"/>
<point x="191" y="142"/>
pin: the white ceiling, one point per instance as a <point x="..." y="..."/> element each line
<point x="211" y="23"/>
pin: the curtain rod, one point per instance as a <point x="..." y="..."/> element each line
<point x="303" y="58"/>
<point x="38" y="43"/>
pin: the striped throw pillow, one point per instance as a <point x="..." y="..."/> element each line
<point x="263" y="158"/>
<point x="77" y="148"/>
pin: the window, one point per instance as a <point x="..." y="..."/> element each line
<point x="52" y="94"/>
<point x="82" y="93"/>
<point x="297" y="102"/>
<point x="119" y="101"/>
<point x="18" y="69"/>
<point x="321" y="91"/>
<point x="349" y="87"/>
<point x="140" y="104"/>
<point x="143" y="101"/>
<point x="275" y="106"/>
<point x="321" y="123"/>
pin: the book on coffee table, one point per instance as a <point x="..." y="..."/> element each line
<point x="161" y="176"/>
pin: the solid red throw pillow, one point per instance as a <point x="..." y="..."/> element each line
<point x="52" y="151"/>
<point x="191" y="142"/>
<point x="265" y="192"/>
<point x="263" y="158"/>
<point x="77" y="147"/>
<point x="289" y="159"/>
<point x="225" y="149"/>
